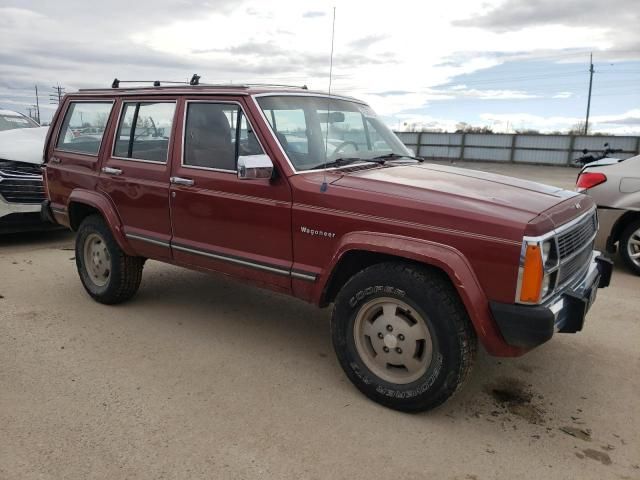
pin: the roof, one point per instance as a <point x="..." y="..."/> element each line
<point x="204" y="89"/>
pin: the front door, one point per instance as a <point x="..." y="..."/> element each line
<point x="222" y="223"/>
<point x="135" y="174"/>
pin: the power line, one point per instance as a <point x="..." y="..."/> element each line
<point x="37" y="104"/>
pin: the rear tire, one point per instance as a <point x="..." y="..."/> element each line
<point x="108" y="274"/>
<point x="630" y="246"/>
<point x="402" y="336"/>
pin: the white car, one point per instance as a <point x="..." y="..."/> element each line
<point x="614" y="184"/>
<point x="21" y="187"/>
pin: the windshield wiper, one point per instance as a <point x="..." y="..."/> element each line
<point x="380" y="160"/>
<point x="342" y="161"/>
<point x="393" y="156"/>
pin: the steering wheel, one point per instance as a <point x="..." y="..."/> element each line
<point x="344" y="144"/>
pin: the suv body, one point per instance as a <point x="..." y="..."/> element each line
<point x="311" y="195"/>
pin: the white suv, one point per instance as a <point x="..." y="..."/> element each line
<point x="21" y="188"/>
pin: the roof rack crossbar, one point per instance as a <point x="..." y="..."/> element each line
<point x="156" y="83"/>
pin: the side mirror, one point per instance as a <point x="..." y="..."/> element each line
<point x="253" y="167"/>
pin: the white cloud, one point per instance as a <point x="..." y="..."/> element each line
<point x="627" y="123"/>
<point x="563" y="95"/>
<point x="377" y="49"/>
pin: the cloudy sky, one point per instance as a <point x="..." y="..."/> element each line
<point x="508" y="64"/>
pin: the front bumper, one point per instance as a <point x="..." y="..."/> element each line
<point x="7" y="208"/>
<point x="19" y="217"/>
<point x="527" y="326"/>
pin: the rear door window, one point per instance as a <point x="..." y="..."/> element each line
<point x="83" y="127"/>
<point x="144" y="131"/>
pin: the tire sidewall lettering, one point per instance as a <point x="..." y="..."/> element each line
<point x="367" y="292"/>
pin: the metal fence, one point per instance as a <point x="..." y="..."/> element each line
<point x="513" y="148"/>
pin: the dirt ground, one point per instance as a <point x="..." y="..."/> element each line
<point x="203" y="377"/>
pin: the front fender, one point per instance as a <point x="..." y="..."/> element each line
<point x="444" y="257"/>
<point x="108" y="212"/>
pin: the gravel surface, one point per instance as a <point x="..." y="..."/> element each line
<point x="200" y="376"/>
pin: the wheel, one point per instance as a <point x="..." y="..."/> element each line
<point x="630" y="246"/>
<point x="402" y="336"/>
<point x="108" y="274"/>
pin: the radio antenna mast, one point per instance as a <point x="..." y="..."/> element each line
<point x="324" y="186"/>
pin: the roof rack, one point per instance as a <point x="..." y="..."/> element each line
<point x="195" y="81"/>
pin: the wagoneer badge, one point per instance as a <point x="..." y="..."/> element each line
<point x="316" y="233"/>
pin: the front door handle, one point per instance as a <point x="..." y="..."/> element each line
<point x="112" y="171"/>
<point x="187" y="182"/>
<point x="54" y="160"/>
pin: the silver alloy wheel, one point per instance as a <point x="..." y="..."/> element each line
<point x="393" y="340"/>
<point x="97" y="260"/>
<point x="633" y="247"/>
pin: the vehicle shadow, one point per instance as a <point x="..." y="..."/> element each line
<point x="36" y="239"/>
<point x="514" y="391"/>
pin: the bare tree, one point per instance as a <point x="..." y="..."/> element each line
<point x="579" y="129"/>
<point x="464" y="127"/>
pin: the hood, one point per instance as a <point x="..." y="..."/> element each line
<point x="458" y="185"/>
<point x="23" y="144"/>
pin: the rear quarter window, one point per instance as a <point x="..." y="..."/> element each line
<point x="83" y="127"/>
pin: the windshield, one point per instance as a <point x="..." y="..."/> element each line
<point x="315" y="130"/>
<point x="10" y="120"/>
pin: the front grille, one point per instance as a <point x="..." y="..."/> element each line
<point x="576" y="238"/>
<point x="573" y="266"/>
<point x="574" y="248"/>
<point x="21" y="182"/>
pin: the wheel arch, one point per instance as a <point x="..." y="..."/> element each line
<point x="83" y="203"/>
<point x="362" y="249"/>
<point x="616" y="231"/>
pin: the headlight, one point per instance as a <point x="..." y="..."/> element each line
<point x="546" y="250"/>
<point x="549" y="254"/>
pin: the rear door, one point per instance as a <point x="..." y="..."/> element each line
<point x="135" y="173"/>
<point x="77" y="145"/>
<point x="222" y="223"/>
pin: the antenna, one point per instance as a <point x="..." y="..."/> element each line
<point x="324" y="186"/>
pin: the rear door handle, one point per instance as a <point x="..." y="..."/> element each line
<point x="187" y="182"/>
<point x="112" y="171"/>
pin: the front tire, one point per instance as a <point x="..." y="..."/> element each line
<point x="402" y="336"/>
<point x="630" y="246"/>
<point x="108" y="274"/>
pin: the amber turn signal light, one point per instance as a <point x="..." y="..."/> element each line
<point x="532" y="275"/>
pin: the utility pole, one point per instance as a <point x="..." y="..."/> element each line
<point x="56" y="96"/>
<point x="586" y="122"/>
<point x="37" y="105"/>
